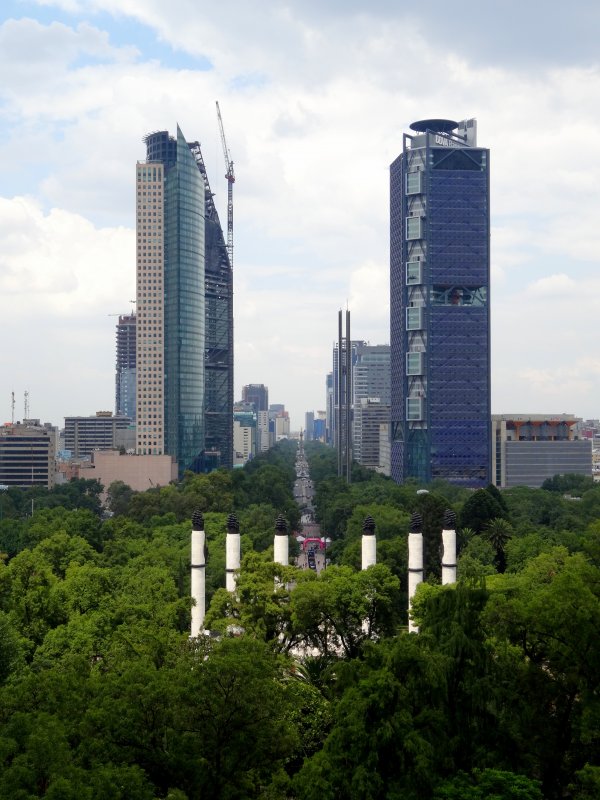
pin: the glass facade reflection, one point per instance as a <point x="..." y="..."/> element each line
<point x="173" y="306"/>
<point x="439" y="287"/>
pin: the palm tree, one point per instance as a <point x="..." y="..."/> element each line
<point x="498" y="531"/>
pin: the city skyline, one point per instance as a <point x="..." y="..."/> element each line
<point x="312" y="133"/>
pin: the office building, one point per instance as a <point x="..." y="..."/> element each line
<point x="320" y="427"/>
<point x="529" y="448"/>
<point x="125" y="380"/>
<point x="103" y="431"/>
<point x="218" y="332"/>
<point x="371" y="393"/>
<point x="184" y="310"/>
<point x="244" y="441"/>
<point x="27" y="454"/>
<point x="263" y="436"/>
<point x="282" y="427"/>
<point x="309" y="426"/>
<point x="439" y="305"/>
<point x="346" y="380"/>
<point x="329" y="409"/>
<point x="258" y="394"/>
<point x="371" y="376"/>
<point x="370" y="413"/>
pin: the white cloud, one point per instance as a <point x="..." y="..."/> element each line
<point x="315" y="100"/>
<point x="60" y="263"/>
<point x="557" y="285"/>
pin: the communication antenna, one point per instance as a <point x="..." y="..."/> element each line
<point x="12" y="405"/>
<point x="26" y="404"/>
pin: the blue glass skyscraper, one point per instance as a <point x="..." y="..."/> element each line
<point x="170" y="302"/>
<point x="439" y="305"/>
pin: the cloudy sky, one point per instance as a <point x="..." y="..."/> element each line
<point x="315" y="97"/>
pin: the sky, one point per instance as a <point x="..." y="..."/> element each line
<point x="315" y="97"/>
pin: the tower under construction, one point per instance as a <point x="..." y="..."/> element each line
<point x="185" y="314"/>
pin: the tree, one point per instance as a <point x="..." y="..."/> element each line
<point x="342" y="609"/>
<point x="550" y="612"/>
<point x="232" y="716"/>
<point x="486" y="784"/>
<point x="260" y="605"/>
<point x="480" y="509"/>
<point x="569" y="483"/>
<point x="498" y="532"/>
<point x="388" y="738"/>
<point x="119" y="496"/>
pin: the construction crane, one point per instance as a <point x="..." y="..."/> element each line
<point x="230" y="175"/>
<point x="131" y="313"/>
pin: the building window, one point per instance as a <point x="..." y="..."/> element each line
<point x="414" y="227"/>
<point x="414" y="318"/>
<point x="414" y="273"/>
<point x="459" y="295"/>
<point x="414" y="363"/>
<point x="414" y="409"/>
<point x="413" y="182"/>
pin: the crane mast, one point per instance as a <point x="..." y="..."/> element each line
<point x="230" y="175"/>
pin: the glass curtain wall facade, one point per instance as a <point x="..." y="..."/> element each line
<point x="125" y="366"/>
<point x="171" y="306"/>
<point x="440" y="318"/>
<point x="218" y="353"/>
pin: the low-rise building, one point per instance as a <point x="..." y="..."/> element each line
<point x="529" y="448"/>
<point x="137" y="471"/>
<point x="102" y="431"/>
<point x="28" y="454"/>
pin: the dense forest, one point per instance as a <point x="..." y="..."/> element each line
<point x="308" y="686"/>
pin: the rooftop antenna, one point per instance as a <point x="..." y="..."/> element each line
<point x="26" y="404"/>
<point x="12" y="404"/>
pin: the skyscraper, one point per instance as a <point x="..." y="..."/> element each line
<point x="170" y="301"/>
<point x="218" y="353"/>
<point x="370" y="401"/>
<point x="125" y="380"/>
<point x="258" y="394"/>
<point x="440" y="319"/>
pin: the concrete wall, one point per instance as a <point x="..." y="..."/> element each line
<point x="138" y="472"/>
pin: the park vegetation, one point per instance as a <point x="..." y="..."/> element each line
<point x="308" y="686"/>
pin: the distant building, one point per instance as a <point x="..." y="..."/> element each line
<point x="528" y="448"/>
<point x="330" y="408"/>
<point x="439" y="305"/>
<point x="243" y="442"/>
<point x="371" y="375"/>
<point x="27" y="454"/>
<point x="258" y="394"/>
<point x="263" y="436"/>
<point x="319" y="430"/>
<point x="137" y="472"/>
<point x="371" y="381"/>
<point x="369" y="415"/>
<point x="100" y="432"/>
<point x="309" y="426"/>
<point x="335" y="387"/>
<point x="385" y="454"/>
<point x="125" y="380"/>
<point x="282" y="428"/>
